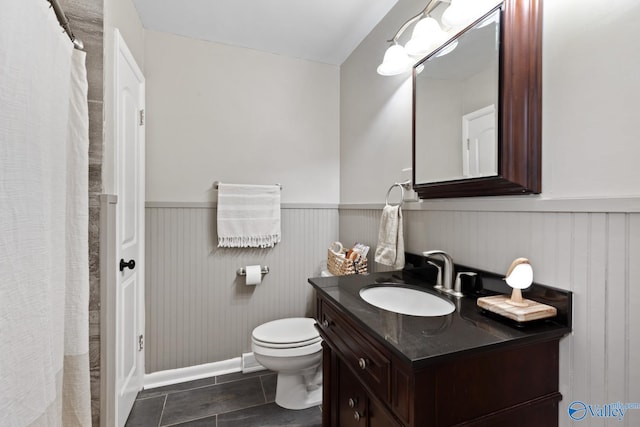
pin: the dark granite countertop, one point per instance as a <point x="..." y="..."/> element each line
<point x="425" y="340"/>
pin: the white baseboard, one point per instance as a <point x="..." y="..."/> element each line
<point x="250" y="364"/>
<point x="174" y="376"/>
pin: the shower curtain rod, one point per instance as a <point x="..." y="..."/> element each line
<point x="64" y="23"/>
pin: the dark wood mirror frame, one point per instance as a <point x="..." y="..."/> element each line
<point x="520" y="112"/>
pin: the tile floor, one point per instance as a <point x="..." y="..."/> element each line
<point x="232" y="400"/>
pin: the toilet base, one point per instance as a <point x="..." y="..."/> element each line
<point x="295" y="391"/>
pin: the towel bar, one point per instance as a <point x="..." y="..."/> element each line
<point x="215" y="185"/>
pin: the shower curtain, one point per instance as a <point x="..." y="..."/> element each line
<point x="44" y="273"/>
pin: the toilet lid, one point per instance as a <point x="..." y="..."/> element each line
<point x="287" y="331"/>
<point x="286" y="345"/>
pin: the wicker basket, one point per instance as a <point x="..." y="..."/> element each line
<point x="341" y="266"/>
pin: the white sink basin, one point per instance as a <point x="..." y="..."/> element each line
<point x="407" y="301"/>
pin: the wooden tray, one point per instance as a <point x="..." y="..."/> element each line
<point x="533" y="311"/>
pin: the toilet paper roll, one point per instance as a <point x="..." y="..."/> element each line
<point x="254" y="274"/>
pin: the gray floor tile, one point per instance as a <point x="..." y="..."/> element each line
<point x="146" y="412"/>
<point x="202" y="402"/>
<point x="234" y="376"/>
<point x="204" y="422"/>
<point x="271" y="415"/>
<point x="152" y="392"/>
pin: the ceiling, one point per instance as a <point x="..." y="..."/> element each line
<point x="318" y="30"/>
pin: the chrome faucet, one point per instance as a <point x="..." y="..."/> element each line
<point x="439" y="275"/>
<point x="447" y="276"/>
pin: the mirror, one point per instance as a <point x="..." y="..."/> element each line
<point x="476" y="108"/>
<point x="456" y="103"/>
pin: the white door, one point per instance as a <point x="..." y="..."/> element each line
<point x="480" y="144"/>
<point x="129" y="301"/>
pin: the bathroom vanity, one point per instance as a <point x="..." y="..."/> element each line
<point x="382" y="368"/>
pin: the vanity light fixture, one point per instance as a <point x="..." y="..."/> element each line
<point x="428" y="35"/>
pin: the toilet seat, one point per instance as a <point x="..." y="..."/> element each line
<point x="291" y="332"/>
<point x="286" y="345"/>
<point x="290" y="337"/>
<point x="286" y="352"/>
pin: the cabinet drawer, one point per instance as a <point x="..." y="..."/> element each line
<point x="359" y="353"/>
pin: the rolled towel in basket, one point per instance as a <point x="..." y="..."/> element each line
<point x="390" y="250"/>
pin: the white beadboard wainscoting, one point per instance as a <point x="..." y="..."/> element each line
<point x="594" y="254"/>
<point x="197" y="310"/>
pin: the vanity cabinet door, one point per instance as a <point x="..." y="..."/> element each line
<point x="355" y="407"/>
<point x="352" y="401"/>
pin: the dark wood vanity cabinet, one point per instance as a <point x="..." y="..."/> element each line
<point x="368" y="385"/>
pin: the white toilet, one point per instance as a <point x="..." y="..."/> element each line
<point x="293" y="348"/>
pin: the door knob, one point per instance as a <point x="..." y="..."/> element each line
<point x="123" y="264"/>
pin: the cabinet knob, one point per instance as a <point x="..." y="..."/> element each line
<point x="325" y="323"/>
<point x="353" y="402"/>
<point x="357" y="416"/>
<point x="362" y="363"/>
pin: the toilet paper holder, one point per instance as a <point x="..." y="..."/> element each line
<point x="243" y="272"/>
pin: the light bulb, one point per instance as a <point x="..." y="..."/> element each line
<point x="458" y="15"/>
<point x="520" y="274"/>
<point x="427" y="36"/>
<point x="395" y="61"/>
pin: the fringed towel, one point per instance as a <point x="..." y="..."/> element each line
<point x="248" y="216"/>
<point x="390" y="250"/>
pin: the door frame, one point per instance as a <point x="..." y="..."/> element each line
<point x="109" y="248"/>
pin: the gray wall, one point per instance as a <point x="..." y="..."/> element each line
<point x="197" y="310"/>
<point x="593" y="254"/>
<point x="232" y="114"/>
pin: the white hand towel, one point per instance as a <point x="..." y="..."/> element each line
<point x="248" y="216"/>
<point x="390" y="250"/>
